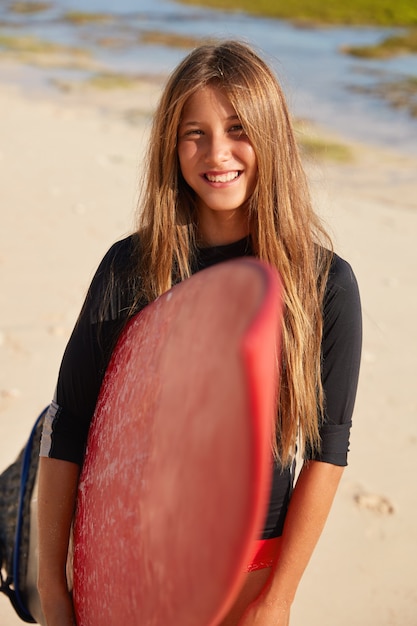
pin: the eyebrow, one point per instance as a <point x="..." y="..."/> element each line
<point x="196" y="122"/>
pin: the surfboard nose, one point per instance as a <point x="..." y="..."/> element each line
<point x="175" y="483"/>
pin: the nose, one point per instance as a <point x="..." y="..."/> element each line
<point x="218" y="149"/>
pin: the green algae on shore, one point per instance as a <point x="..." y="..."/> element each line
<point x="396" y="45"/>
<point x="111" y="80"/>
<point x="34" y="51"/>
<point x="29" y="8"/>
<point x="172" y="40"/>
<point x="28" y="43"/>
<point x="104" y="81"/>
<point x="80" y="18"/>
<point x="321" y="148"/>
<point x="354" y="12"/>
<point x="399" y="94"/>
<point x="113" y="42"/>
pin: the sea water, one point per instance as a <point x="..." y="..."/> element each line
<point x="321" y="82"/>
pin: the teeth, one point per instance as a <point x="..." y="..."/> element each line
<point x="222" y="178"/>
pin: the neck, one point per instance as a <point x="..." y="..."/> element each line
<point x="220" y="229"/>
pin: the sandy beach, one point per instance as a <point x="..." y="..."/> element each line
<point x="69" y="168"/>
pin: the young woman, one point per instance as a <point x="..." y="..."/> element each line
<point x="223" y="180"/>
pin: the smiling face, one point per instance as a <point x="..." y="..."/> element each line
<point x="218" y="162"/>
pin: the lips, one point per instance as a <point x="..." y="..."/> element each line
<point x="222" y="177"/>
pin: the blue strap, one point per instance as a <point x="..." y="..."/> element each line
<point x="18" y="603"/>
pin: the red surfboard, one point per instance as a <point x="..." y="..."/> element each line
<point x="176" y="479"/>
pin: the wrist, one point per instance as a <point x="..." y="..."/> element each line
<point x="277" y="595"/>
<point x="57" y="608"/>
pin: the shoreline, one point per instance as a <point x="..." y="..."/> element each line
<point x="366" y="99"/>
<point x="70" y="170"/>
<point x="136" y="100"/>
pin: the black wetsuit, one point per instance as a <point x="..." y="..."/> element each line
<point x="89" y="349"/>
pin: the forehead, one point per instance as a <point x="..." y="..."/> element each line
<point x="208" y="102"/>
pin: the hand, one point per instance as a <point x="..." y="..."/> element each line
<point x="59" y="611"/>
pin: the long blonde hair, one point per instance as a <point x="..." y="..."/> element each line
<point x="284" y="229"/>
